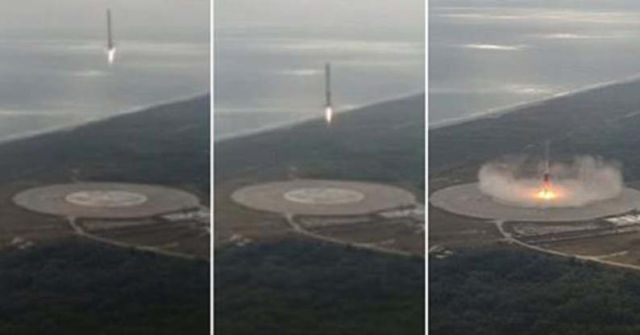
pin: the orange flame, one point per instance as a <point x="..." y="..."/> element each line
<point x="547" y="192"/>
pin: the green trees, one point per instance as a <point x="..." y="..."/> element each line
<point x="85" y="288"/>
<point x="507" y="291"/>
<point x="311" y="288"/>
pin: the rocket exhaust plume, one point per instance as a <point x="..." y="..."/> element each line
<point x="111" y="48"/>
<point x="328" y="109"/>
<point x="582" y="182"/>
<point x="328" y="114"/>
<point x="546" y="191"/>
<point x="111" y="55"/>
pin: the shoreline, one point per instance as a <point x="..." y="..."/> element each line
<point x="4" y="140"/>
<point x="499" y="111"/>
<point x="320" y="116"/>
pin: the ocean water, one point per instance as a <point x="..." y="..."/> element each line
<point x="53" y="65"/>
<point x="490" y="55"/>
<point x="269" y="58"/>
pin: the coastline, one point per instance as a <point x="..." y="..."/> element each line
<point x="499" y="111"/>
<point x="69" y="127"/>
<point x="319" y="116"/>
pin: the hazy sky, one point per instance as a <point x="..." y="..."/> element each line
<point x="133" y="19"/>
<point x="400" y="19"/>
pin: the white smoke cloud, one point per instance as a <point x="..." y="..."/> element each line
<point x="584" y="181"/>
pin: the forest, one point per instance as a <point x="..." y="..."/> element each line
<point x="81" y="287"/>
<point x="302" y="287"/>
<point x="511" y="291"/>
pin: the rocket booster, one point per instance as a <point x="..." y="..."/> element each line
<point x="546" y="157"/>
<point x="328" y="109"/>
<point x="110" y="44"/>
<point x="546" y="179"/>
<point x="327" y="84"/>
<point x="546" y="192"/>
<point x="111" y="48"/>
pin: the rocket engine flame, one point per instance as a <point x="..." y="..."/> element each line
<point x="328" y="114"/>
<point x="546" y="192"/>
<point x="111" y="55"/>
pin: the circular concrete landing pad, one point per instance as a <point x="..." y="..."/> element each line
<point x="468" y="200"/>
<point x="322" y="197"/>
<point x="104" y="200"/>
<point x="101" y="198"/>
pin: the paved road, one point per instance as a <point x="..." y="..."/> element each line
<point x="81" y="232"/>
<point x="368" y="246"/>
<point x="597" y="259"/>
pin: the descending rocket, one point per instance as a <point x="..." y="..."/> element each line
<point x="546" y="162"/>
<point x="328" y="108"/>
<point x="546" y="192"/>
<point x="111" y="48"/>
